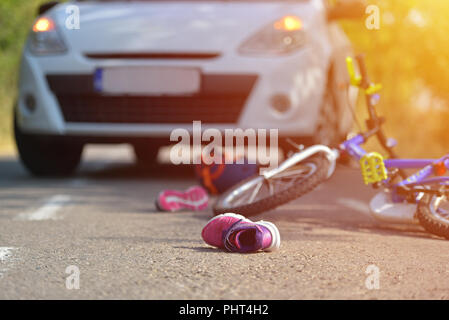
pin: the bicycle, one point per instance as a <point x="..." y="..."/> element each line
<point x="419" y="198"/>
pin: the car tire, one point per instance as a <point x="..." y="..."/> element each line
<point x="146" y="154"/>
<point x="327" y="129"/>
<point x="47" y="156"/>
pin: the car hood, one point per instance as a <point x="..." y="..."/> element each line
<point x="172" y="25"/>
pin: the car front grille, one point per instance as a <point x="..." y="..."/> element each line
<point x="154" y="55"/>
<point x="220" y="100"/>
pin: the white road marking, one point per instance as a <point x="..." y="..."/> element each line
<point x="48" y="211"/>
<point x="5" y="254"/>
<point x="79" y="182"/>
<point x="355" y="205"/>
<point x="102" y="156"/>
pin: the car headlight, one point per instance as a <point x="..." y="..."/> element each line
<point x="45" y="39"/>
<point x="283" y="36"/>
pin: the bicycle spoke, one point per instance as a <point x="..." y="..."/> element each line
<point x="256" y="190"/>
<point x="241" y="199"/>
<point x="287" y="173"/>
<point x="443" y="212"/>
<point x="440" y="207"/>
<point x="289" y="178"/>
<point x="260" y="188"/>
<point x="270" y="187"/>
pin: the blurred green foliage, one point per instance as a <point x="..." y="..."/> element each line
<point x="408" y="54"/>
<point x="16" y="18"/>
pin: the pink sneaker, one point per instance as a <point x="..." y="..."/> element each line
<point x="195" y="198"/>
<point x="236" y="233"/>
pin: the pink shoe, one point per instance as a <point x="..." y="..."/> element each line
<point x="236" y="233"/>
<point x="195" y="198"/>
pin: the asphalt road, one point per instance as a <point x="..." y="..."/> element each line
<point x="103" y="222"/>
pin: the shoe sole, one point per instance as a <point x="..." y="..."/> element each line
<point x="177" y="200"/>
<point x="275" y="235"/>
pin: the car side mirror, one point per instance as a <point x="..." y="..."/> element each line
<point x="346" y="9"/>
<point x="46" y="6"/>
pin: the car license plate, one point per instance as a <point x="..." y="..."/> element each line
<point x="147" y="80"/>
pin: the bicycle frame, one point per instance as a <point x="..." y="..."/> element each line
<point x="426" y="176"/>
<point x="409" y="188"/>
<point x="432" y="170"/>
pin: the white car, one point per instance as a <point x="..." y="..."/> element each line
<point x="133" y="71"/>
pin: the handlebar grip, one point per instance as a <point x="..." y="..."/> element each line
<point x="353" y="78"/>
<point x="363" y="71"/>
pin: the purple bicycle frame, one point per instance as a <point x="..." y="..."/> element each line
<point x="423" y="176"/>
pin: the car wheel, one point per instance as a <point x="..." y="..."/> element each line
<point x="327" y="129"/>
<point x="45" y="156"/>
<point x="146" y="154"/>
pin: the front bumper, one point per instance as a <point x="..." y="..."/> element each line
<point x="239" y="90"/>
<point x="221" y="100"/>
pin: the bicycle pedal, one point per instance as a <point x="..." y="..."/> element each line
<point x="373" y="168"/>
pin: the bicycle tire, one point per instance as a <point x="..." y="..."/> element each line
<point x="271" y="202"/>
<point x="428" y="220"/>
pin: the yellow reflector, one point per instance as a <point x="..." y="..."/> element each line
<point x="373" y="168"/>
<point x="373" y="88"/>
<point x="354" y="79"/>
<point x="43" y="25"/>
<point x="289" y="23"/>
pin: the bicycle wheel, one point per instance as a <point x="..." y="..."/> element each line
<point x="258" y="194"/>
<point x="433" y="214"/>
